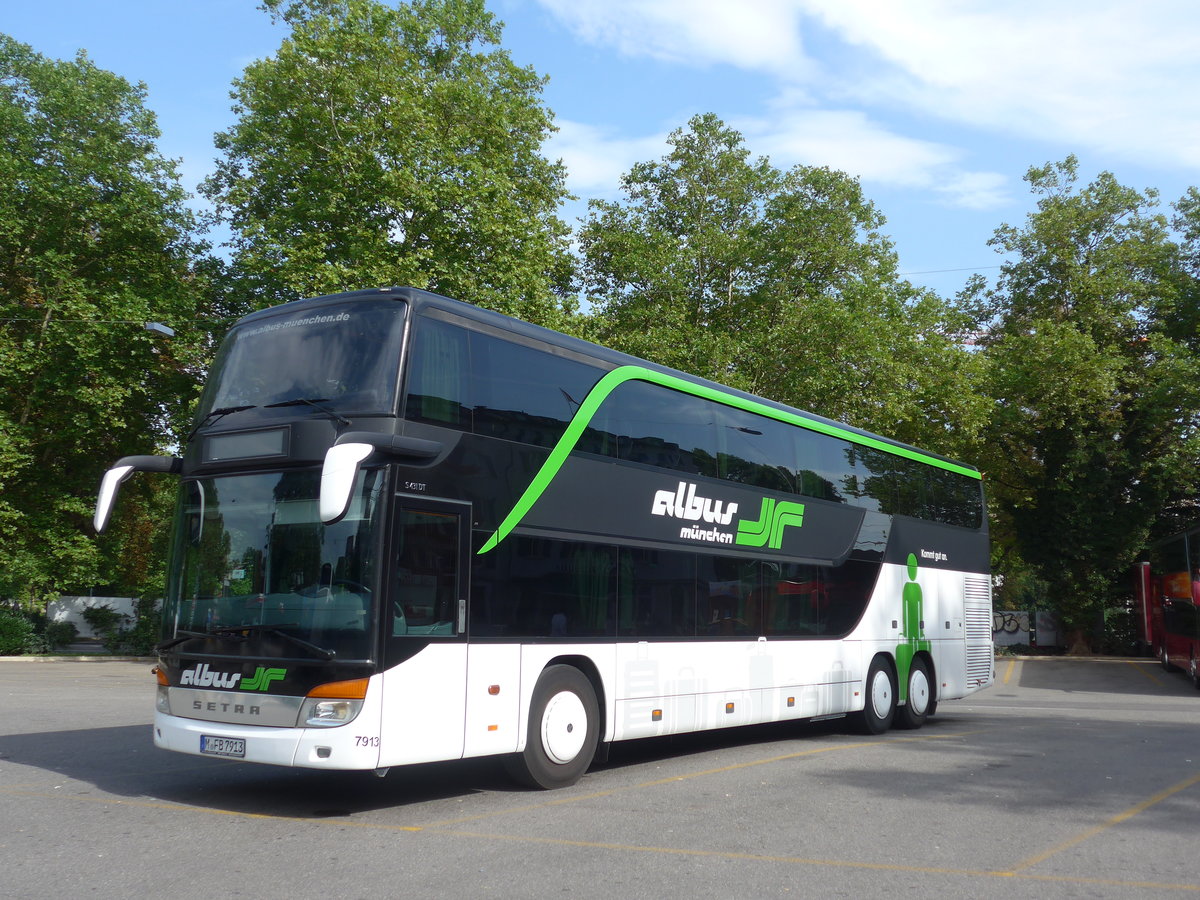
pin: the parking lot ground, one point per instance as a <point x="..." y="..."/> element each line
<point x="1066" y="778"/>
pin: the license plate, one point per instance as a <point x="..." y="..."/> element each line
<point x="222" y="746"/>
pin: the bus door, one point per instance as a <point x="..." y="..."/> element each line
<point x="425" y="622"/>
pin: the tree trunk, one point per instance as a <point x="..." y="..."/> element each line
<point x="1078" y="643"/>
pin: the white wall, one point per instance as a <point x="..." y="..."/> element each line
<point x="70" y="609"/>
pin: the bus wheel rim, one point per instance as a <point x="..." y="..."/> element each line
<point x="564" y="727"/>
<point x="918" y="692"/>
<point x="881" y="694"/>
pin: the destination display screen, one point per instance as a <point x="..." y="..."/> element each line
<point x="246" y="445"/>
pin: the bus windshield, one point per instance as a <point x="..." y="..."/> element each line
<point x="345" y="356"/>
<point x="254" y="562"/>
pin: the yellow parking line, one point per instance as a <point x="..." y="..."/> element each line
<point x="1008" y="672"/>
<point x="209" y="810"/>
<point x="828" y="863"/>
<point x="1104" y="826"/>
<point x="1144" y="669"/>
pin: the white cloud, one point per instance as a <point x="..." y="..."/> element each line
<point x="1112" y="77"/>
<point x="596" y="158"/>
<point x="849" y="141"/>
<point x="844" y="140"/>
<point x="1116" y="76"/>
<point x="753" y="34"/>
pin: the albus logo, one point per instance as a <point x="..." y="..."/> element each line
<point x="682" y="503"/>
<point x="774" y="518"/>
<point x="203" y="676"/>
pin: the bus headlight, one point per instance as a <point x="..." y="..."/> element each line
<point x="326" y="713"/>
<point x="162" y="702"/>
<point x="334" y="703"/>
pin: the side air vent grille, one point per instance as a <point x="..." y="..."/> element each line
<point x="977" y="614"/>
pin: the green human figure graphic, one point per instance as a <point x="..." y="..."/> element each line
<point x="912" y="632"/>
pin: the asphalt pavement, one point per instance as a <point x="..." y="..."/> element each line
<point x="1067" y="778"/>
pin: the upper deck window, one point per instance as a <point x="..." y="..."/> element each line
<point x="491" y="386"/>
<point x="346" y="356"/>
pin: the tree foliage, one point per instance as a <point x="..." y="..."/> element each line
<point x="1095" y="388"/>
<point x="393" y="145"/>
<point x="776" y="282"/>
<point x="94" y="242"/>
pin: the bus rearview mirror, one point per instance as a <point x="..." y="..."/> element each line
<point x="343" y="459"/>
<point x="111" y="483"/>
<point x="337" y="478"/>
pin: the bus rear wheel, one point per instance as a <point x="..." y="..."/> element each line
<point x="563" y="731"/>
<point x="880" y="708"/>
<point x="920" y="697"/>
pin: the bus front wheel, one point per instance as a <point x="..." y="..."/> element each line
<point x="880" y="708"/>
<point x="563" y="730"/>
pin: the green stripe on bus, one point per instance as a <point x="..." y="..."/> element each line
<point x="610" y="382"/>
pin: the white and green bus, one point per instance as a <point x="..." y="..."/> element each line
<point x="411" y="530"/>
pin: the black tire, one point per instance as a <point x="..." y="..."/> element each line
<point x="920" y="697"/>
<point x="876" y="716"/>
<point x="1194" y="672"/>
<point x="564" y="728"/>
<point x="1164" y="659"/>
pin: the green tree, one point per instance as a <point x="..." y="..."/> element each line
<point x="779" y="283"/>
<point x="385" y="145"/>
<point x="94" y="242"/>
<point x="1095" y="394"/>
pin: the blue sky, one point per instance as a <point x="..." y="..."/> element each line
<point x="939" y="106"/>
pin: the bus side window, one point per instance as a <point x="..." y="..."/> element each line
<point x="526" y="395"/>
<point x="425" y="594"/>
<point x="439" y="375"/>
<point x="657" y="426"/>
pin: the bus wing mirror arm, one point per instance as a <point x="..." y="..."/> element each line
<point x="119" y="474"/>
<point x="348" y="453"/>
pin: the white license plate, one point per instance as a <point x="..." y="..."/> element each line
<point x="222" y="746"/>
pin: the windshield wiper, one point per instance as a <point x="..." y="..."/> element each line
<point x="180" y="637"/>
<point x="233" y="630"/>
<point x="216" y="414"/>
<point x="276" y="630"/>
<point x="315" y="403"/>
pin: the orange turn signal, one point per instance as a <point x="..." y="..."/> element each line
<point x="355" y="689"/>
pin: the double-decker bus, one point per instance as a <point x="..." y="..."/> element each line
<point x="410" y="530"/>
<point x="1168" y="602"/>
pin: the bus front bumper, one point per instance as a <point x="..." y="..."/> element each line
<point x="350" y="746"/>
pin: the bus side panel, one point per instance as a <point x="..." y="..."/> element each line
<point x="423" y="706"/>
<point x="493" y="699"/>
<point x="954" y="624"/>
<point x="675" y="688"/>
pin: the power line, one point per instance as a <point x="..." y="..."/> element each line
<point x="941" y="271"/>
<point x="156" y="327"/>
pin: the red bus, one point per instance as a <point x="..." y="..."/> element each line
<point x="1168" y="593"/>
